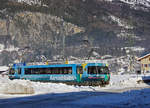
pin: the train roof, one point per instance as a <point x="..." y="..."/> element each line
<point x="58" y="65"/>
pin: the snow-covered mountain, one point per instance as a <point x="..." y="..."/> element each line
<point x="135" y="2"/>
<point x="86" y="25"/>
<point x="30" y="2"/>
<point x="131" y="2"/>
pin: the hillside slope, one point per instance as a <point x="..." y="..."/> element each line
<point x="41" y="26"/>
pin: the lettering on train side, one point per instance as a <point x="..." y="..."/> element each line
<point x="62" y="77"/>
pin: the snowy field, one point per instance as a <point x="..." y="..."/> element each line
<point x="123" y="91"/>
<point x="26" y="87"/>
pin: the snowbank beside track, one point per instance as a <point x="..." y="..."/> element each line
<point x="29" y="87"/>
<point x="15" y="86"/>
<point x="127" y="80"/>
<point x="124" y="80"/>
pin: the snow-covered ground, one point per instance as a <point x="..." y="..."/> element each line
<point x="123" y="91"/>
<point x="82" y="99"/>
<point x="117" y="82"/>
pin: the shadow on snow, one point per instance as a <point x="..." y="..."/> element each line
<point x="83" y="99"/>
<point x="146" y="79"/>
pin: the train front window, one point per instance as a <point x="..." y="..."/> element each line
<point x="12" y="71"/>
<point x="93" y="70"/>
<point x="104" y="70"/>
<point x="98" y="70"/>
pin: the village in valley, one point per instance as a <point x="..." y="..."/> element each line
<point x="134" y="80"/>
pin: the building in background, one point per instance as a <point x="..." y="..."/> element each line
<point x="145" y="62"/>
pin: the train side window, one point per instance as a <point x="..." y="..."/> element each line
<point x="56" y="70"/>
<point x="99" y="70"/>
<point x="19" y="70"/>
<point x="90" y="70"/>
<point x="65" y="71"/>
<point x="53" y="70"/>
<point x="70" y="71"/>
<point x="50" y="71"/>
<point x="46" y="71"/>
<point x="39" y="71"/>
<point x="60" y="70"/>
<point x="42" y="71"/>
<point x="96" y="70"/>
<point x="27" y="70"/>
<point x="34" y="71"/>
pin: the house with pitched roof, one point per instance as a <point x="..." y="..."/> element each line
<point x="145" y="62"/>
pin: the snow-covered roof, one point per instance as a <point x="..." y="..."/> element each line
<point x="143" y="56"/>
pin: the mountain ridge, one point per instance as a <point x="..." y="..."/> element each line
<point x="105" y="30"/>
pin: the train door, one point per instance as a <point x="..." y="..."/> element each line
<point x="11" y="73"/>
<point x="14" y="73"/>
<point x="17" y="73"/>
<point x="81" y="72"/>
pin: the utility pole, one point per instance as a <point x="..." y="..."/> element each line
<point x="22" y="52"/>
<point x="131" y="53"/>
<point x="63" y="50"/>
<point x="88" y="45"/>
